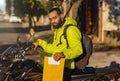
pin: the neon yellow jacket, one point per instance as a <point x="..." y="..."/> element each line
<point x="73" y="36"/>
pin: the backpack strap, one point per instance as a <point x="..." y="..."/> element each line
<point x="65" y="35"/>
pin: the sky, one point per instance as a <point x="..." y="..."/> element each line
<point x="2" y="5"/>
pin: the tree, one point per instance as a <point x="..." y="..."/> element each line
<point x="22" y="7"/>
<point x="58" y="3"/>
<point x="19" y="8"/>
<point x="8" y="6"/>
<point x="33" y="8"/>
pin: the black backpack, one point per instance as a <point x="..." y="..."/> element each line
<point x="87" y="44"/>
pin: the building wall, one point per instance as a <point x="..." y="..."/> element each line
<point x="107" y="25"/>
<point x="111" y="33"/>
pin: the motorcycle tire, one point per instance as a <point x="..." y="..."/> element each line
<point x="6" y="78"/>
<point x="23" y="71"/>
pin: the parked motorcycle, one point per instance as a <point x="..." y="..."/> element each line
<point x="17" y="68"/>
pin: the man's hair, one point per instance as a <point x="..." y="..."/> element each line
<point x="55" y="9"/>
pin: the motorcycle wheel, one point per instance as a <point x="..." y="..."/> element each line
<point x="23" y="71"/>
<point x="31" y="76"/>
<point x="6" y="78"/>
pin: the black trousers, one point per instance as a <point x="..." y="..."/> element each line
<point x="67" y="74"/>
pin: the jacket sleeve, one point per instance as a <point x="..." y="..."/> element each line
<point x="74" y="41"/>
<point x="47" y="47"/>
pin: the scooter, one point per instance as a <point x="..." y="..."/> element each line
<point x="15" y="67"/>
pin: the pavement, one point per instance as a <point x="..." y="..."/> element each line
<point x="10" y="31"/>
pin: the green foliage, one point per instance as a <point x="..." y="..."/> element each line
<point x="33" y="7"/>
<point x="19" y="9"/>
<point x="22" y="7"/>
<point x="50" y="4"/>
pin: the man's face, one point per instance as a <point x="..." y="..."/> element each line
<point x="55" y="19"/>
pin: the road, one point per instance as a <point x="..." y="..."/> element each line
<point x="9" y="33"/>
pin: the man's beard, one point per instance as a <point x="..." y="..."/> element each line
<point x="58" y="25"/>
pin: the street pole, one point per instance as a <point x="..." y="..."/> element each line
<point x="101" y="21"/>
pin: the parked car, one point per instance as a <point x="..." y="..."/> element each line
<point x="15" y="19"/>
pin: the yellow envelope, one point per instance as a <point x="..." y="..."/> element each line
<point x="53" y="70"/>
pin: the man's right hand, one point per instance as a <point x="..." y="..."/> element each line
<point x="35" y="45"/>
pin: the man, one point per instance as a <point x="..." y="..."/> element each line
<point x="58" y="48"/>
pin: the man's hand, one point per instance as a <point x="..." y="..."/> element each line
<point x="58" y="55"/>
<point x="35" y="45"/>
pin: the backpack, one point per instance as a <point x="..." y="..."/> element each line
<point x="83" y="60"/>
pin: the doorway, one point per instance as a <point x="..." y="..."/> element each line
<point x="88" y="17"/>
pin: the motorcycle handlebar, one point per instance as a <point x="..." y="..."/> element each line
<point x="29" y="46"/>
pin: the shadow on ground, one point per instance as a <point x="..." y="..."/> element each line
<point x="24" y="30"/>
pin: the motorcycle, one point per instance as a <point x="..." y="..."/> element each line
<point x="17" y="68"/>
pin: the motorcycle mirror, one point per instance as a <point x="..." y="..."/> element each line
<point x="32" y="32"/>
<point x="18" y="41"/>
